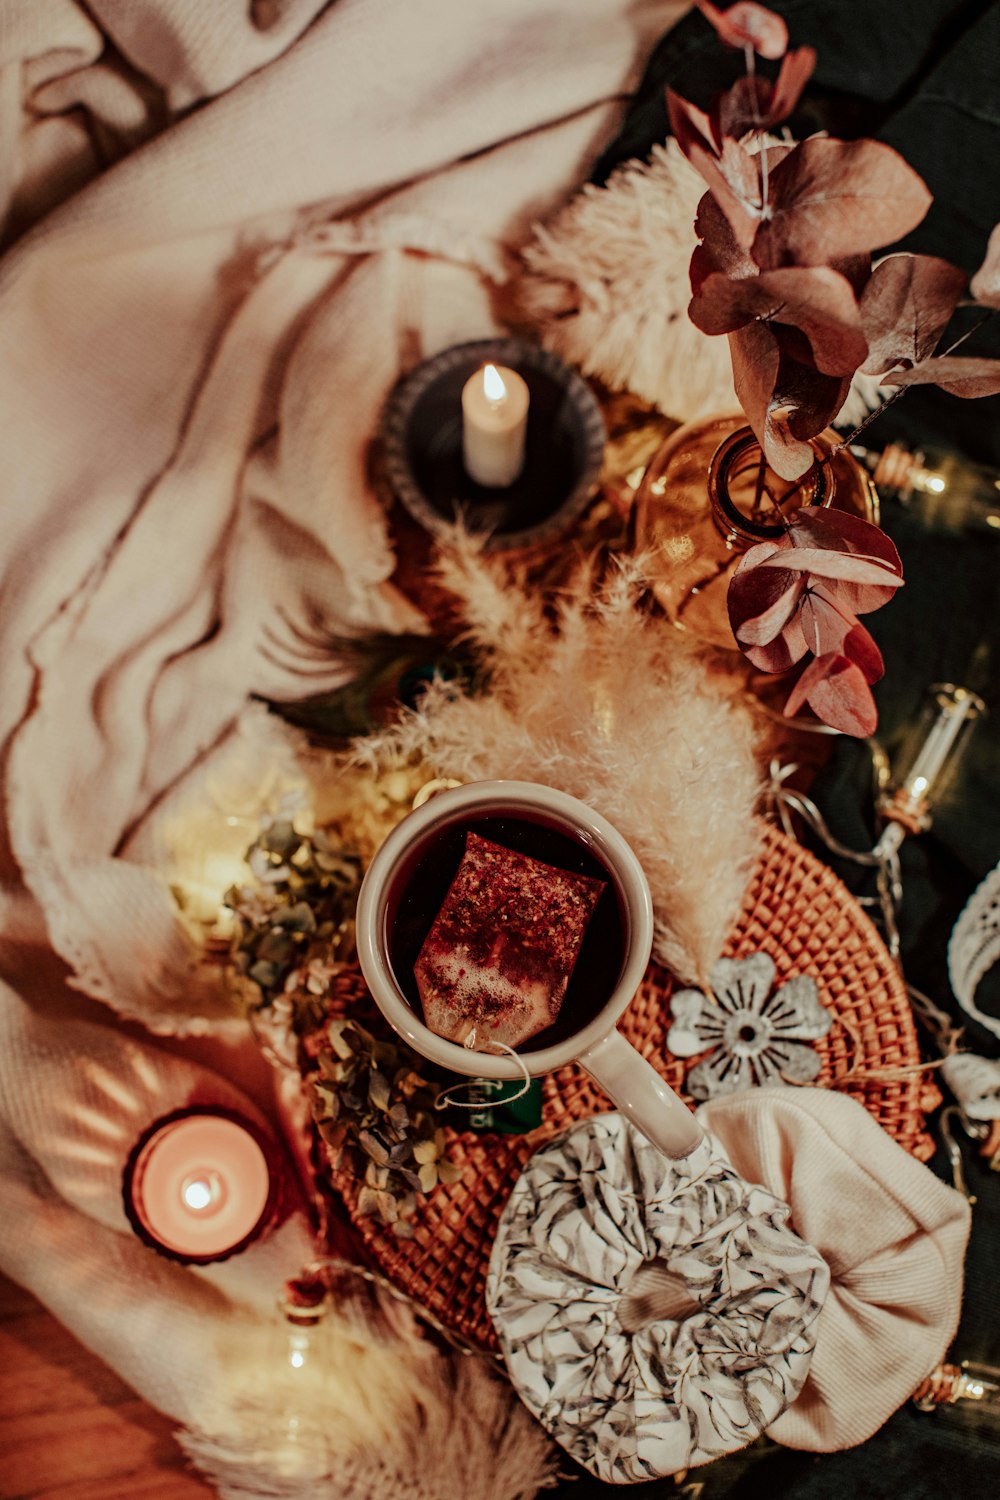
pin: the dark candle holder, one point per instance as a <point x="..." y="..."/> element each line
<point x="421" y="439"/>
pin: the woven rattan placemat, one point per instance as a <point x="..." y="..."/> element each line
<point x="796" y="910"/>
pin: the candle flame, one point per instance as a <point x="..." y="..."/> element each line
<point x="493" y="385"/>
<point x="198" y="1194"/>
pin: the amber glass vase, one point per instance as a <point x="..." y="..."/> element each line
<point x="706" y="497"/>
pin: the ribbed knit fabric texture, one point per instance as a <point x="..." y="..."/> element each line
<point x="892" y="1234"/>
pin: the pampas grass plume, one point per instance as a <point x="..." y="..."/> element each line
<point x="615" y="707"/>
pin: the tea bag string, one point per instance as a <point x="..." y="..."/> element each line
<point x="445" y="1097"/>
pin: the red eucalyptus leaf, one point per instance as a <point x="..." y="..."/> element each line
<point x="777" y="604"/>
<point x="815" y="300"/>
<point x="731" y="174"/>
<point x="720" y="248"/>
<point x="863" y="652"/>
<point x="836" y="691"/>
<point x="691" y="126"/>
<point x="837" y="532"/>
<point x="755" y="103"/>
<point x="906" y="307"/>
<point x="986" y="282"/>
<point x="857" y="269"/>
<point x="744" y="107"/>
<point x="858" y="598"/>
<point x="783" y="400"/>
<point x="960" y="375"/>
<point x="757" y="593"/>
<point x="778" y="655"/>
<point x="828" y="199"/>
<point x="748" y="25"/>
<point x="845" y="567"/>
<point x="825" y="626"/>
<point x="755" y="357"/>
<point x="809" y="399"/>
<point x="757" y="363"/>
<point x="795" y="72"/>
<point x="819" y="526"/>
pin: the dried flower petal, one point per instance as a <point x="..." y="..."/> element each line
<point x="755" y="103"/>
<point x="378" y="1091"/>
<point x="730" y="172"/>
<point x="960" y="375"/>
<point x="814" y="299"/>
<point x="367" y="1202"/>
<point x="905" y="308"/>
<point x="985" y="285"/>
<point x="829" y="199"/>
<point x="428" y="1175"/>
<point x="747" y="24"/>
<point x="836" y="691"/>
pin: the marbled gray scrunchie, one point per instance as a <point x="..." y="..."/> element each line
<point x="590" y="1208"/>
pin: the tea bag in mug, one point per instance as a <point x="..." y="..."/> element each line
<point x="495" y="965"/>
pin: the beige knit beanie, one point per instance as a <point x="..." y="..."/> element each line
<point x="892" y="1234"/>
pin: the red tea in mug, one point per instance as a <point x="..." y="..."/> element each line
<point x="424" y="891"/>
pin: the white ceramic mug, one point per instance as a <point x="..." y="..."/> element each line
<point x="628" y="1080"/>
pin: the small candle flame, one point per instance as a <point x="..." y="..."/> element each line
<point x="493" y="386"/>
<point x="197" y="1194"/>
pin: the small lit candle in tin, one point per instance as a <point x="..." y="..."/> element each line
<point x="198" y="1185"/>
<point x="494" y="424"/>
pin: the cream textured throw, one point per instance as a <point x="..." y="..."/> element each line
<point x="290" y="203"/>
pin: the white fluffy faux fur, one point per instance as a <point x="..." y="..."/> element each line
<point x="607" y="288"/>
<point x="613" y="706"/>
<point x="430" y="1427"/>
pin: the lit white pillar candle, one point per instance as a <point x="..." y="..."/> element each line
<point x="494" y="422"/>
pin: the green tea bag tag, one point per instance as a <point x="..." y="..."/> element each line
<point x="517" y="1118"/>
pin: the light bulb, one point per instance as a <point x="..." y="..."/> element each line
<point x="948" y="491"/>
<point x="927" y="761"/>
<point x="968" y="1384"/>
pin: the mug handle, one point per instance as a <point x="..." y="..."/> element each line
<point x="641" y="1094"/>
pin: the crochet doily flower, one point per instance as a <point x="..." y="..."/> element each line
<point x="755" y="1031"/>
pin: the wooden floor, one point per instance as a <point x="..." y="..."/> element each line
<point x="69" y="1428"/>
